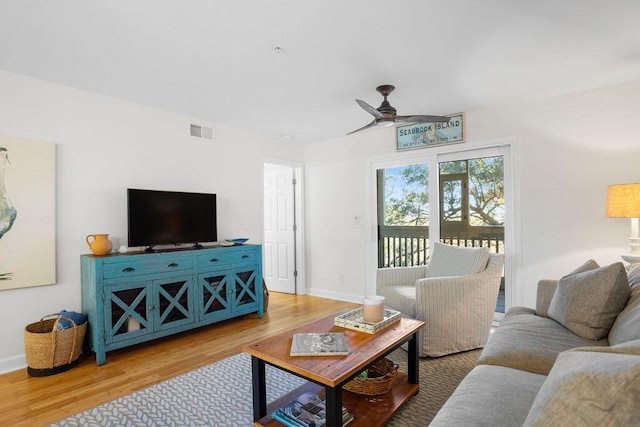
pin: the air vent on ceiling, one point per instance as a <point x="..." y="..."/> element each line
<point x="201" y="131"/>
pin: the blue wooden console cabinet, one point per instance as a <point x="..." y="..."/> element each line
<point x="136" y="297"/>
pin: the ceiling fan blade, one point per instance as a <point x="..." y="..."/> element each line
<point x="385" y="115"/>
<point x="373" y="123"/>
<point x="368" y="108"/>
<point x="421" y="119"/>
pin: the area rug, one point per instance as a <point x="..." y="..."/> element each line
<point x="439" y="378"/>
<point x="220" y="395"/>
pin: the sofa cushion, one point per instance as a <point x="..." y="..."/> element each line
<point x="447" y="260"/>
<point x="588" y="303"/>
<point x="490" y="396"/>
<point x="629" y="347"/>
<point x="590" y="388"/>
<point x="627" y="324"/>
<point x="529" y="342"/>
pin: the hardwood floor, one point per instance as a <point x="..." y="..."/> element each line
<point x="31" y="401"/>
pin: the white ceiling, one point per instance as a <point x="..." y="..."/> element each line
<point x="215" y="59"/>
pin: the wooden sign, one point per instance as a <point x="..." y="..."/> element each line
<point x="424" y="135"/>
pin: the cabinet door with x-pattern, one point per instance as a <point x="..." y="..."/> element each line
<point x="139" y="308"/>
<point x="222" y="292"/>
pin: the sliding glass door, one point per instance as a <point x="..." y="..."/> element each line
<point x="472" y="211"/>
<point x="455" y="198"/>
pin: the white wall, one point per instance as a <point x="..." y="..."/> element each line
<point x="104" y="146"/>
<point x="567" y="150"/>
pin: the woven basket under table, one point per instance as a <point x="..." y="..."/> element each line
<point x="379" y="381"/>
<point x="49" y="351"/>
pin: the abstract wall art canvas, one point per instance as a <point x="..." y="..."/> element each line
<point x="27" y="213"/>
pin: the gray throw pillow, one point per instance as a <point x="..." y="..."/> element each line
<point x="587" y="266"/>
<point x="588" y="303"/>
<point x="448" y="260"/>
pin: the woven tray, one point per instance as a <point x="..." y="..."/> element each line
<point x="380" y="379"/>
<point x="354" y="319"/>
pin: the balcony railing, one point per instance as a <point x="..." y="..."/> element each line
<point x="402" y="246"/>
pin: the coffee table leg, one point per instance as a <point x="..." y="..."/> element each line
<point x="412" y="359"/>
<point x="259" y="388"/>
<point x="333" y="398"/>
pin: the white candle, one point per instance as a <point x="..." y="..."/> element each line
<point x="373" y="308"/>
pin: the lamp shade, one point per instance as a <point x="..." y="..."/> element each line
<point x="623" y="201"/>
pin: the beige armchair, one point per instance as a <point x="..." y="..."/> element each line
<point x="457" y="309"/>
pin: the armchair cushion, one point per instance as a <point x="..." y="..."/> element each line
<point x="588" y="303"/>
<point x="447" y="260"/>
<point x="401" y="298"/>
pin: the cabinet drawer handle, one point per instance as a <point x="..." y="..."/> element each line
<point x="128" y="270"/>
<point x="173" y="265"/>
<point x="214" y="260"/>
<point x="245" y="256"/>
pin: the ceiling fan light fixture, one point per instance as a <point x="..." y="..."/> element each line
<point x="385" y="123"/>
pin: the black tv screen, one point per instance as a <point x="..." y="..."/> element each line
<point x="170" y="217"/>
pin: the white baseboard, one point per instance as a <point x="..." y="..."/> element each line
<point x="13" y="364"/>
<point x="335" y="295"/>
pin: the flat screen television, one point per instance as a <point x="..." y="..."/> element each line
<point x="170" y="218"/>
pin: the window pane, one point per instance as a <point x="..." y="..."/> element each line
<point x="452" y="201"/>
<point x="403" y="216"/>
<point x="406" y="200"/>
<point x="456" y="167"/>
<point x="486" y="191"/>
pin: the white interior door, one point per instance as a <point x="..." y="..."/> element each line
<point x="279" y="250"/>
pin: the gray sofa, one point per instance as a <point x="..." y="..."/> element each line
<point x="573" y="361"/>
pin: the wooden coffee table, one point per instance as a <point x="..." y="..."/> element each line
<point x="327" y="374"/>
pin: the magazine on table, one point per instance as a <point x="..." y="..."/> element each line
<point x="319" y="344"/>
<point x="308" y="410"/>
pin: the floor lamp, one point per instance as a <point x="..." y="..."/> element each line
<point x="623" y="201"/>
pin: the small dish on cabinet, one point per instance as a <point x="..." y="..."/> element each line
<point x="240" y="241"/>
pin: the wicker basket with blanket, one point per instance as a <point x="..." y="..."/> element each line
<point x="53" y="344"/>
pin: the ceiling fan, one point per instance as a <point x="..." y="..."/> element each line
<point x="385" y="114"/>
